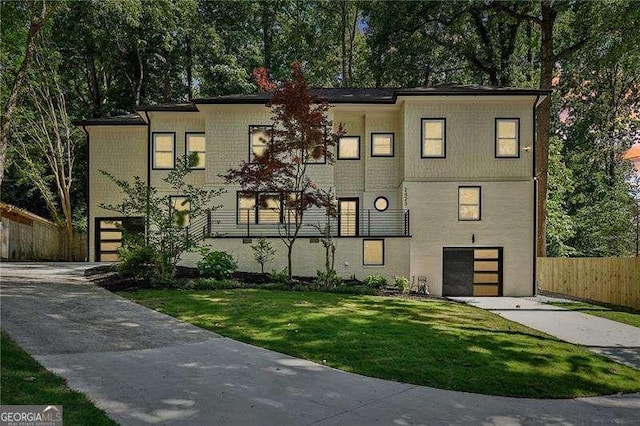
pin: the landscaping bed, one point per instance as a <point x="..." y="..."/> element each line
<point x="425" y="342"/>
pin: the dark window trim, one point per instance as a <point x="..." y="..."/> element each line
<point x="376" y="200"/>
<point x="383" y="250"/>
<point x="98" y="228"/>
<point x="186" y="147"/>
<point x="256" y="126"/>
<point x="479" y="203"/>
<point x="359" y="148"/>
<point x="393" y="144"/>
<point x="357" y="200"/>
<point x="444" y="137"/>
<point x="495" y="138"/>
<point x="153" y="150"/>
<point x="256" y="207"/>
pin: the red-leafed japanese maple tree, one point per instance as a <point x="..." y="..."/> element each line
<point x="301" y="134"/>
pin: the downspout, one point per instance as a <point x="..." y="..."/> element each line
<point x="88" y="191"/>
<point x="535" y="197"/>
<point x="146" y="218"/>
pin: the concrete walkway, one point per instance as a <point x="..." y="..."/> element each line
<point x="618" y="341"/>
<point x="145" y="368"/>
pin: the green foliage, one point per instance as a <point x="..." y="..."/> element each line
<point x="280" y="277"/>
<point x="328" y="279"/>
<point x="216" y="264"/>
<point x="376" y="281"/>
<point x="263" y="252"/>
<point x="138" y="260"/>
<point x="168" y="237"/>
<point x="402" y="283"/>
<point x="213" y="284"/>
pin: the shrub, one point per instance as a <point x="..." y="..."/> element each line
<point x="138" y="261"/>
<point x="216" y="264"/>
<point x="280" y="277"/>
<point x="213" y="284"/>
<point x="402" y="283"/>
<point x="263" y="252"/>
<point x="376" y="281"/>
<point x="328" y="279"/>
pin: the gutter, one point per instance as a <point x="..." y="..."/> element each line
<point x="146" y="219"/>
<point x="88" y="191"/>
<point x="539" y="99"/>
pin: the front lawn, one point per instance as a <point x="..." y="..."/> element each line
<point x="615" y="313"/>
<point x="426" y="342"/>
<point x="25" y="382"/>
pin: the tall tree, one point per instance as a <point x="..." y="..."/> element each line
<point x="39" y="13"/>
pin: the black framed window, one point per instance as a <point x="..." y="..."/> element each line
<point x="382" y="144"/>
<point x="373" y="252"/>
<point x="349" y="148"/>
<point x="261" y="208"/>
<point x="164" y="150"/>
<point x="433" y="138"/>
<point x="507" y="138"/>
<point x="349" y="217"/>
<point x="269" y="208"/>
<point x="196" y="142"/>
<point x="381" y="204"/>
<point x="469" y="203"/>
<point x="259" y="137"/>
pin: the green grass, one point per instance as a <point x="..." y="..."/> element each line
<point x="615" y="313"/>
<point x="25" y="382"/>
<point x="425" y="342"/>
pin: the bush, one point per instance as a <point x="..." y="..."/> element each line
<point x="280" y="277"/>
<point x="216" y="264"/>
<point x="376" y="281"/>
<point x="138" y="261"/>
<point x="213" y="284"/>
<point x="402" y="283"/>
<point x="328" y="279"/>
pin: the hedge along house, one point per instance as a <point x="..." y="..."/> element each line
<point x="435" y="184"/>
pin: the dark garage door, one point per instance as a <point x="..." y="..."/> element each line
<point x="111" y="231"/>
<point x="472" y="271"/>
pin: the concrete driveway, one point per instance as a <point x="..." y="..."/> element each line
<point x="144" y="367"/>
<point x="618" y="341"/>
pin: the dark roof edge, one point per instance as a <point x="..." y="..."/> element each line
<point x="169" y="108"/>
<point x="108" y="122"/>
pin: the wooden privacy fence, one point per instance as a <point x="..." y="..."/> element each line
<point x="26" y="236"/>
<point x="614" y="280"/>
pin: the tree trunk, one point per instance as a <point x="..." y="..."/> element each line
<point x="190" y="74"/>
<point x="34" y="28"/>
<point x="94" y="85"/>
<point x="290" y="259"/>
<point x="544" y="124"/>
<point x="343" y="42"/>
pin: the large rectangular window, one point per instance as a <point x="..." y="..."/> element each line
<point x="469" y="203"/>
<point x="180" y="207"/>
<point x="507" y="137"/>
<point x="259" y="137"/>
<point x="373" y="252"/>
<point x="261" y="208"/>
<point x="269" y="208"/>
<point x="246" y="207"/>
<point x="196" y="143"/>
<point x="348" y="212"/>
<point x="434" y="138"/>
<point x="349" y="148"/>
<point x="164" y="150"/>
<point x="382" y="144"/>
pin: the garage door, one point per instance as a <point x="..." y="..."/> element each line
<point x="110" y="233"/>
<point x="472" y="271"/>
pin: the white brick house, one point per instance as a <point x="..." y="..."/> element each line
<point x="435" y="184"/>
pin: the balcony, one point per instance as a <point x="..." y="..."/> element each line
<point x="273" y="223"/>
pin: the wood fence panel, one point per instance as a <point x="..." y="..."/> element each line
<point x="614" y="280"/>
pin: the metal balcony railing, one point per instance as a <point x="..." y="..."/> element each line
<point x="273" y="223"/>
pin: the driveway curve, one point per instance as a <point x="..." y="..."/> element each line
<point x="143" y="367"/>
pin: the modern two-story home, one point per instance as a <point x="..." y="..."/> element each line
<point x="434" y="184"/>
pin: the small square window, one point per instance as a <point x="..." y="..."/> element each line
<point x="434" y="138"/>
<point x="373" y="252"/>
<point x="196" y="142"/>
<point x="180" y="207"/>
<point x="259" y="137"/>
<point x="469" y="203"/>
<point x="349" y="148"/>
<point x="164" y="150"/>
<point x="507" y="137"/>
<point x="382" y="144"/>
